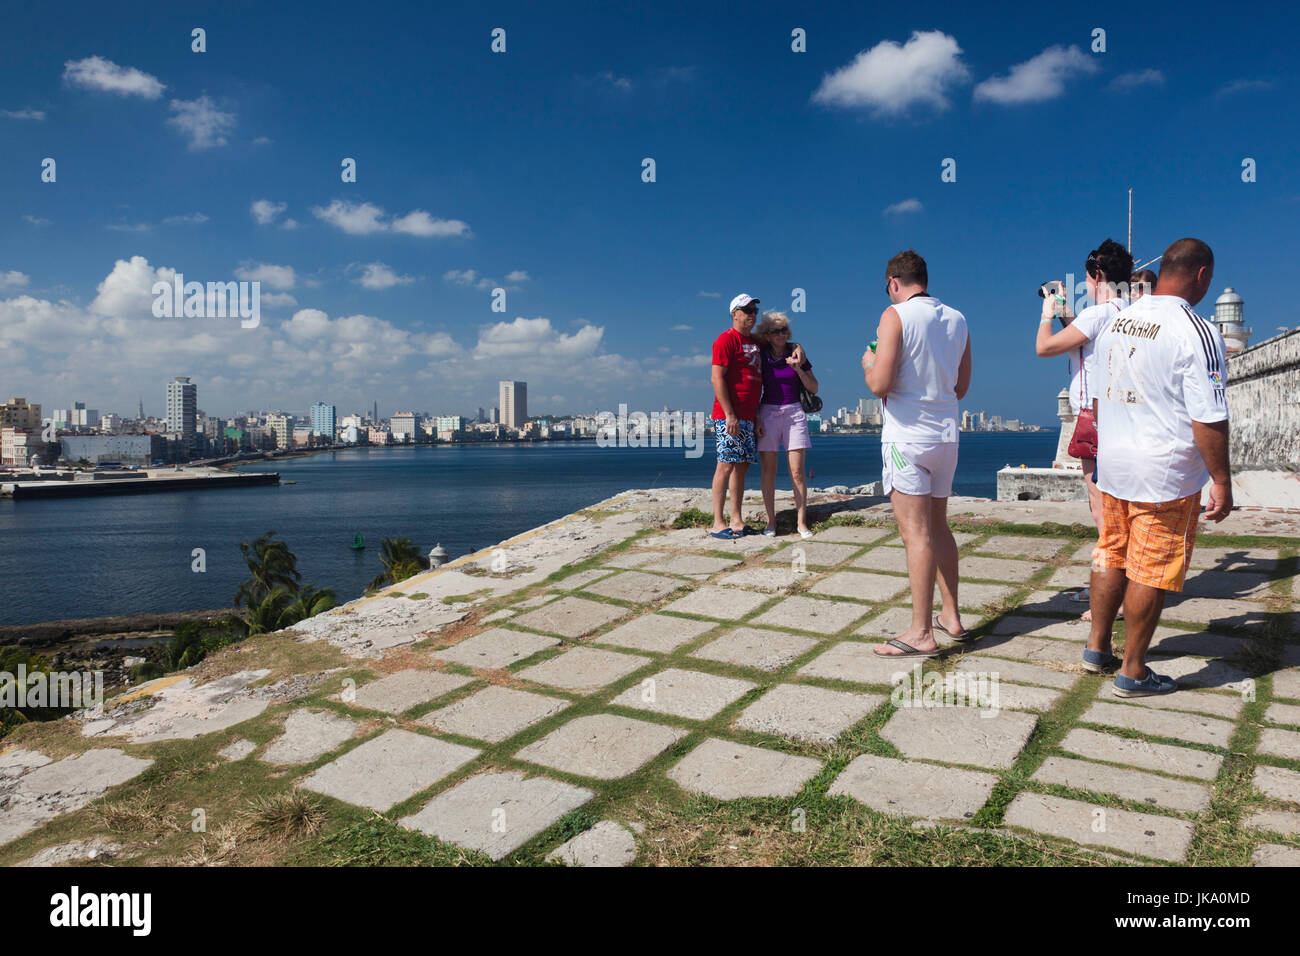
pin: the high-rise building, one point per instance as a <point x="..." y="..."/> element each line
<point x="182" y="408"/>
<point x="16" y="413"/>
<point x="496" y="415"/>
<point x="322" y="420"/>
<point x="514" y="404"/>
<point x="278" y="425"/>
<point x="402" y="426"/>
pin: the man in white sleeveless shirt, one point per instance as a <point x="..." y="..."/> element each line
<point x="921" y="367"/>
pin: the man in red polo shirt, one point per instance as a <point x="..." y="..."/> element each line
<point x="737" y="387"/>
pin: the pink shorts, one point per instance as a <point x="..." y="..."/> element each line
<point x="784" y="426"/>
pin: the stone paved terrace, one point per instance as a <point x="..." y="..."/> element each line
<point x="608" y="690"/>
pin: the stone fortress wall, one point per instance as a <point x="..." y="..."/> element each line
<point x="1264" y="404"/>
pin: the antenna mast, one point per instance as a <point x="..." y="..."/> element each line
<point x="1130" y="219"/>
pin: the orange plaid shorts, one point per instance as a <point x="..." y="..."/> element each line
<point x="1151" y="542"/>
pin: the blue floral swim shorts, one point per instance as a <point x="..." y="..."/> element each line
<point x="738" y="449"/>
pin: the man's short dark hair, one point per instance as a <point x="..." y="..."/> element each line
<point x="908" y="268"/>
<point x="1143" y="275"/>
<point x="1112" y="259"/>
<point x="1186" y="257"/>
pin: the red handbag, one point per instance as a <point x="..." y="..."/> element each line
<point x="1083" y="443"/>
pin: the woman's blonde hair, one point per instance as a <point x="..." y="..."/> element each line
<point x="770" y="322"/>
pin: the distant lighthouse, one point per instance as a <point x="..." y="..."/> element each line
<point x="1228" y="316"/>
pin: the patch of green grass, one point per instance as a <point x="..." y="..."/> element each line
<point x="418" y="596"/>
<point x="692" y="518"/>
<point x="380" y="842"/>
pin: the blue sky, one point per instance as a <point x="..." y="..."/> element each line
<point x="775" y="170"/>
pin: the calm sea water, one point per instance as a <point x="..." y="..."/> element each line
<point x="90" y="557"/>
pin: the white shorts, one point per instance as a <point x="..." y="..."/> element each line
<point x="919" y="469"/>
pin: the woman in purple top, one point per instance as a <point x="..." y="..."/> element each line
<point x="782" y="417"/>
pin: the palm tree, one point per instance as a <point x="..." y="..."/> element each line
<point x="270" y="613"/>
<point x="401" y="559"/>
<point x="271" y="565"/>
<point x="311" y="601"/>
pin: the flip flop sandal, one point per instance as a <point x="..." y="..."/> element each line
<point x="748" y="530"/>
<point x="908" y="651"/>
<point x="726" y="534"/>
<point x="964" y="637"/>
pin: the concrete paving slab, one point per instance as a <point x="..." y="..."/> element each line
<point x="1067" y="629"/>
<point x="1286" y="684"/>
<point x="608" y="843"/>
<point x="1181" y="761"/>
<point x="1199" y="672"/>
<point x="400" y="692"/>
<point x="1005" y="570"/>
<point x="1227" y="706"/>
<point x="183" y="709"/>
<point x="308" y="734"/>
<point x="581" y="579"/>
<point x="723" y="604"/>
<point x="33" y="792"/>
<point x="238" y="749"/>
<point x="1274" y="821"/>
<point x="494" y="713"/>
<point x="1180" y="642"/>
<point x="635" y="559"/>
<point x="583" y="669"/>
<point x="814" y="554"/>
<point x="812" y="614"/>
<point x="753" y="647"/>
<point x="729" y="771"/>
<point x="889" y="624"/>
<point x="1278" y="783"/>
<point x="771" y="579"/>
<point x="1275" y="854"/>
<point x="1036" y="649"/>
<point x="1084" y="553"/>
<point x="494" y="649"/>
<point x="1279" y="743"/>
<point x="962" y="735"/>
<point x="807" y="713"/>
<point x="637" y="587"/>
<point x="1022" y="547"/>
<point x="1285" y="714"/>
<point x="1161" y="723"/>
<point x="1008" y="696"/>
<point x="692" y="566"/>
<point x="1218" y="614"/>
<point x="693" y="695"/>
<point x="1235" y="559"/>
<point x="1134" y="785"/>
<point x="1018" y="672"/>
<point x="1061" y="603"/>
<point x="975" y="595"/>
<point x="882" y="559"/>
<point x="388" y="769"/>
<point x="1241" y="585"/>
<point x="1071" y="576"/>
<point x="659" y="633"/>
<point x="861" y="586"/>
<point x="902" y="788"/>
<point x="603" y="746"/>
<point x="571" y="617"/>
<point x="496" y="813"/>
<point x="848" y="534"/>
<point x="1146" y="834"/>
<point x="853" y="661"/>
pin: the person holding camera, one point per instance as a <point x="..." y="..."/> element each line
<point x="1108" y="269"/>
<point x="789" y="387"/>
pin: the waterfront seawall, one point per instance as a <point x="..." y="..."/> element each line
<point x="180" y="481"/>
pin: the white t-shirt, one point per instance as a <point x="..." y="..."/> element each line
<point x="922" y="406"/>
<point x="1159" y="367"/>
<point x="1090" y="322"/>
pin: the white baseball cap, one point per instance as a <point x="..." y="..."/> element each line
<point x="742" y="300"/>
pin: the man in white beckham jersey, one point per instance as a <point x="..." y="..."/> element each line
<point x="1162" y="418"/>
<point x="921" y="367"/>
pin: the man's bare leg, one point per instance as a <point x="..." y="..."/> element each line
<point x="945" y="562"/>
<point x="1142" y="607"/>
<point x="738" y="495"/>
<point x="1106" y="592"/>
<point x="912" y="512"/>
<point x="722" y="475"/>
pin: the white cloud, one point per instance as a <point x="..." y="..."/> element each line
<point x="97" y="73"/>
<point x="264" y="211"/>
<point x="36" y="220"/>
<point x="126" y="292"/>
<point x="472" y="278"/>
<point x="274" y="277"/>
<point x="907" y="205"/>
<point x="712" y="295"/>
<point x="420" y="223"/>
<point x="130" y="227"/>
<point x="533" y="337"/>
<point x="1040" y="78"/>
<point x="680" y="328"/>
<point x="202" y="121"/>
<point x="1136" y="79"/>
<point x="517" y="275"/>
<point x="190" y="219"/>
<point x="1243" y="86"/>
<point x="277" y="300"/>
<point x="620" y="83"/>
<point x="376" y="275"/>
<point x="891" y="79"/>
<point x="37" y="115"/>
<point x="13" y="279"/>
